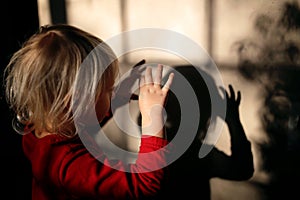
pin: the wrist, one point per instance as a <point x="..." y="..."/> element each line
<point x="153" y="126"/>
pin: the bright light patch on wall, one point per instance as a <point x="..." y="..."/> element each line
<point x="100" y="17"/>
<point x="212" y="24"/>
<point x="44" y="12"/>
<point x="186" y="18"/>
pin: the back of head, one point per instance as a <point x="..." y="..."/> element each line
<point x="41" y="77"/>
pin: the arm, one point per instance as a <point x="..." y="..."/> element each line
<point x="114" y="179"/>
<point x="238" y="166"/>
<point x="82" y="175"/>
<point x="152" y="101"/>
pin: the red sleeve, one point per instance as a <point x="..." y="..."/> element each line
<point x="101" y="181"/>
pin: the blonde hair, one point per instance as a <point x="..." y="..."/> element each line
<point x="42" y="77"/>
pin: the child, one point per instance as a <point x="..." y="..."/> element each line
<point x="42" y="90"/>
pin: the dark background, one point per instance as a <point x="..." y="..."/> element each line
<point x="19" y="19"/>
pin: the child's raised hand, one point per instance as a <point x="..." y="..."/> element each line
<point x="152" y="98"/>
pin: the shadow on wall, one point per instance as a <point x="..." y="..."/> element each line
<point x="273" y="60"/>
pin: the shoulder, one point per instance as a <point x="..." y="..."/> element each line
<point x="53" y="144"/>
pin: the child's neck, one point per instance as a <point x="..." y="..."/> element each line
<point x="41" y="134"/>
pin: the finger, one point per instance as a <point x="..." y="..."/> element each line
<point x="231" y="92"/>
<point x="168" y="83"/>
<point x="148" y="76"/>
<point x="227" y="96"/>
<point x="137" y="69"/>
<point x="158" y="75"/>
<point x="142" y="81"/>
<point x="238" y="100"/>
<point x="140" y="63"/>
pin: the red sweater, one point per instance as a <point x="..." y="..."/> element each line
<point x="64" y="169"/>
